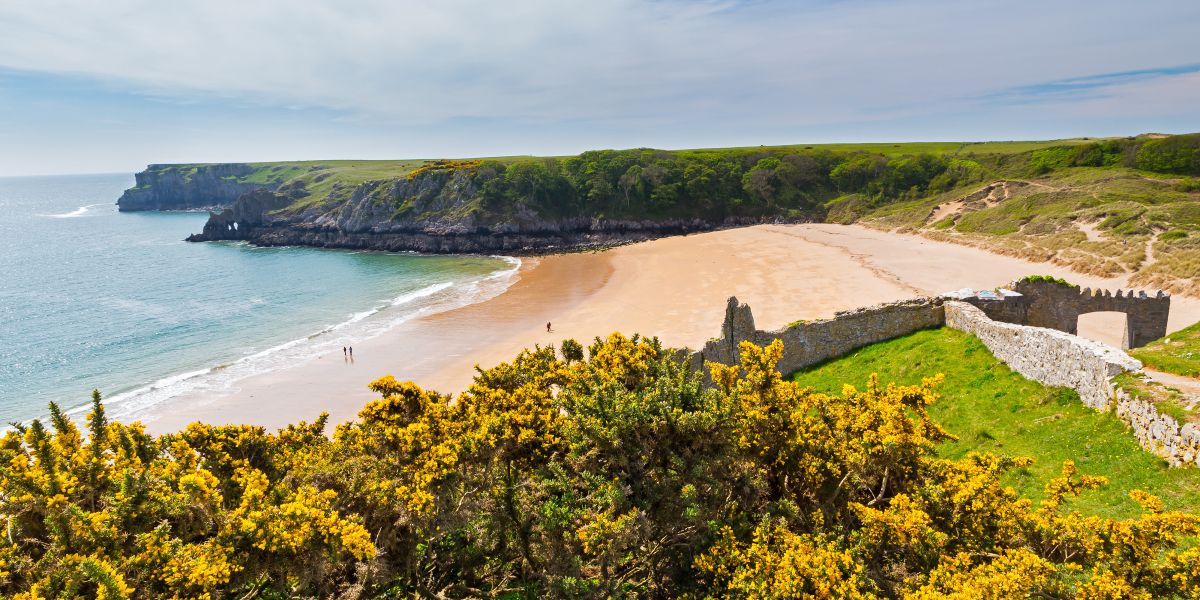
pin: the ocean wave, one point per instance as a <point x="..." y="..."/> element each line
<point x="366" y="324"/>
<point x="79" y="212"/>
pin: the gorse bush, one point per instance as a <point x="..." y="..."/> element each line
<point x="617" y="475"/>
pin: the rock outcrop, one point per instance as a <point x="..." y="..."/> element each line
<point x="189" y="187"/>
<point x="437" y="213"/>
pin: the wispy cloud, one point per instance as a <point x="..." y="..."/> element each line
<point x="1088" y="87"/>
<point x="467" y="77"/>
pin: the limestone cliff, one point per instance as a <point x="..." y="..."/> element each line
<point x="439" y="211"/>
<point x="190" y="187"/>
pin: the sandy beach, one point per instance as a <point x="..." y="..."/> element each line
<point x="673" y="288"/>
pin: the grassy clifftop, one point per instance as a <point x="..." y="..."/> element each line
<point x="589" y="172"/>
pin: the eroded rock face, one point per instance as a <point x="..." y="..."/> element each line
<point x="251" y="212"/>
<point x="188" y="187"/>
<point x="429" y="214"/>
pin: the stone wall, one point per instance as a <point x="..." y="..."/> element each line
<point x="1056" y="306"/>
<point x="1159" y="433"/>
<point x="808" y="343"/>
<point x="1045" y="355"/>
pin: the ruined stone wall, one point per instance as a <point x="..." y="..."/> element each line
<point x="1044" y="355"/>
<point x="810" y="342"/>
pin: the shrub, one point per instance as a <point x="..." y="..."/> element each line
<point x="572" y="351"/>
<point x="1175" y="154"/>
<point x="1047" y="279"/>
<point x="617" y="476"/>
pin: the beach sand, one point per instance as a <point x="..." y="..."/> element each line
<point x="674" y="288"/>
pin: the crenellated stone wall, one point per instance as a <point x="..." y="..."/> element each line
<point x="1057" y="306"/>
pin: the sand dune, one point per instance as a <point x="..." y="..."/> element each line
<point x="673" y="288"/>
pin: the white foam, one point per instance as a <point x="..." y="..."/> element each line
<point x="421" y="293"/>
<point x="434" y="298"/>
<point x="79" y="212"/>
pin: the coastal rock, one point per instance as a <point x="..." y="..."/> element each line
<point x="437" y="213"/>
<point x="188" y="187"/>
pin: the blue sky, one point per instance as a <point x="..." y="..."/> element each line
<point x="112" y="86"/>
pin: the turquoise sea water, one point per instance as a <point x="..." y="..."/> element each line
<point x="93" y="298"/>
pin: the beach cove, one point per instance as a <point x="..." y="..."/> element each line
<point x="674" y="288"/>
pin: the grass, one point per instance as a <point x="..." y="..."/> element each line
<point x="1167" y="400"/>
<point x="992" y="409"/>
<point x="1041" y="222"/>
<point x="1178" y="353"/>
<point x="1131" y="214"/>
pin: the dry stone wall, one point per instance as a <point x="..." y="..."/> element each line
<point x="1046" y="355"/>
<point x="1159" y="433"/>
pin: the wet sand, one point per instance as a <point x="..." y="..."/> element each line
<point x="674" y="288"/>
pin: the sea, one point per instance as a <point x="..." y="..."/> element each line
<point x="91" y="298"/>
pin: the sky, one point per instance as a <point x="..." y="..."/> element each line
<point x="112" y="86"/>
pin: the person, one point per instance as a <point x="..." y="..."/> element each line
<point x="547" y="326"/>
<point x="351" y="351"/>
<point x="343" y="351"/>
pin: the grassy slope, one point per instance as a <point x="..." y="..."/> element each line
<point x="1178" y="353"/>
<point x="992" y="409"/>
<point x="1148" y="225"/>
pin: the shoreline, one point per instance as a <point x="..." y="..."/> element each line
<point x="181" y="389"/>
<point x="674" y="288"/>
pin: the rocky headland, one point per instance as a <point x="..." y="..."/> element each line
<point x="190" y="187"/>
<point x="442" y="211"/>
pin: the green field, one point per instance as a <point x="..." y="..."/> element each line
<point x="910" y="148"/>
<point x="992" y="409"/>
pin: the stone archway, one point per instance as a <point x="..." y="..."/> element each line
<point x="1055" y="304"/>
<point x="1105" y="326"/>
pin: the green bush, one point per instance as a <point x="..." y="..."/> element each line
<point x="1175" y="154"/>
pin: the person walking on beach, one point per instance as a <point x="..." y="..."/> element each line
<point x="351" y="351"/>
<point x="547" y="326"/>
<point x="343" y="351"/>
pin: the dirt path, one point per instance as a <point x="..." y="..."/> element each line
<point x="1188" y="387"/>
<point x="1150" y="258"/>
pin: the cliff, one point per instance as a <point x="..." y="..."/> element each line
<point x="190" y="187"/>
<point x="437" y="211"/>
